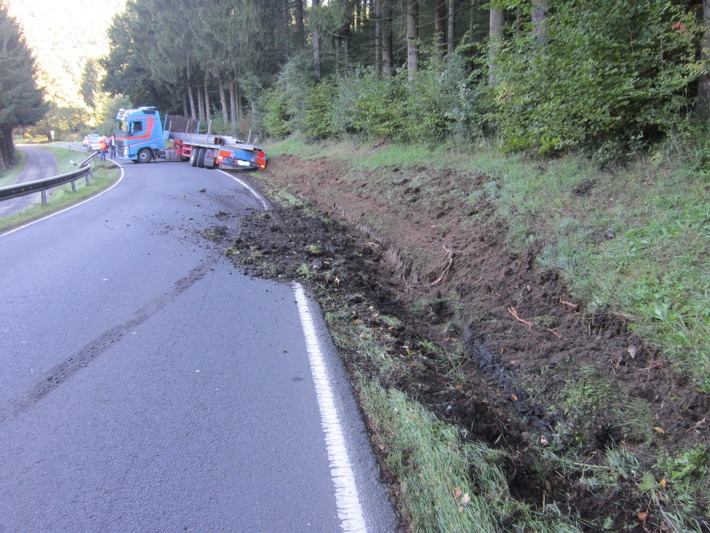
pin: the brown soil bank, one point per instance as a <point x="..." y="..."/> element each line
<point x="538" y="372"/>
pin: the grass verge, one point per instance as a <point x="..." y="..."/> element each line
<point x="445" y="482"/>
<point x="103" y="175"/>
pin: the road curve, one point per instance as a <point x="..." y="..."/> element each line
<point x="148" y="385"/>
<point x="40" y="164"/>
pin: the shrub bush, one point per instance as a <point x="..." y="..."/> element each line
<point x="442" y="101"/>
<point x="610" y="78"/>
<point x="368" y="105"/>
<point x="318" y="122"/>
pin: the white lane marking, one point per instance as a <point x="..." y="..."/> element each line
<point x="346" y="497"/>
<point x="18" y="228"/>
<point x="251" y="189"/>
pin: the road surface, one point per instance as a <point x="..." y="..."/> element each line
<point x="40" y="164"/>
<point x="148" y="385"/>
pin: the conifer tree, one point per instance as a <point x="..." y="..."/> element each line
<point x="89" y="83"/>
<point x="21" y="100"/>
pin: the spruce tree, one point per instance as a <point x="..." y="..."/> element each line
<point x="21" y="102"/>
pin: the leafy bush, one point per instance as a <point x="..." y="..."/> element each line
<point x="284" y="105"/>
<point x="442" y="101"/>
<point x="610" y="77"/>
<point x="277" y="115"/>
<point x="368" y="105"/>
<point x="320" y="102"/>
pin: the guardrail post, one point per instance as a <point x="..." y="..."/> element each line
<point x="42" y="185"/>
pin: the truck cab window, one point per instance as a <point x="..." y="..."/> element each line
<point x="136" y="127"/>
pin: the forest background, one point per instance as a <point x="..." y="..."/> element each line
<point x="613" y="95"/>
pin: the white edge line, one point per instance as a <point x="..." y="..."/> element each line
<point x="346" y="497"/>
<point x="28" y="224"/>
<point x="251" y="189"/>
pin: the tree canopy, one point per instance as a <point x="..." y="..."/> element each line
<point x="21" y="100"/>
<point x="547" y="75"/>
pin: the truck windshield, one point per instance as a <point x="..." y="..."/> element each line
<point x="128" y="129"/>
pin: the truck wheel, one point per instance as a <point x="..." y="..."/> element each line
<point x="201" y="158"/>
<point x="211" y="161"/>
<point x="145" y="156"/>
<point x="193" y="156"/>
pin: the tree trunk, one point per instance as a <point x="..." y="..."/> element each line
<point x="345" y="37"/>
<point x="191" y="100"/>
<point x="208" y="111"/>
<point x="703" y="108"/>
<point x="200" y="106"/>
<point x="285" y="28"/>
<point x="451" y="33"/>
<point x="378" y="36"/>
<point x="223" y="101"/>
<point x="335" y="43"/>
<point x="496" y="40"/>
<point x="233" y="104"/>
<point x="7" y="148"/>
<point x="300" y="32"/>
<point x="540" y="9"/>
<point x="316" y="46"/>
<point x="412" y="36"/>
<point x="386" y="36"/>
<point x="440" y="24"/>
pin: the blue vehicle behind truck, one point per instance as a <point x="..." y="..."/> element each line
<point x="142" y="137"/>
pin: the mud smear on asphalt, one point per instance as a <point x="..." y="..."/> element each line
<point x="66" y="369"/>
<point x="525" y="338"/>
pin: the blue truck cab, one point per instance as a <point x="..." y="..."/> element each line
<point x="142" y="137"/>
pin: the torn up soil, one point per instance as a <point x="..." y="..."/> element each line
<point x="533" y="358"/>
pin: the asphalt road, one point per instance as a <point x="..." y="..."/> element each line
<point x="147" y="385"/>
<point x="40" y="164"/>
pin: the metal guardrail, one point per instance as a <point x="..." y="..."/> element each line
<point x="21" y="189"/>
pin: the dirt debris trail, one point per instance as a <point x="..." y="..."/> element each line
<point x="525" y="337"/>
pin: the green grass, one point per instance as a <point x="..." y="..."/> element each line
<point x="293" y="145"/>
<point x="639" y="247"/>
<point x="591" y="393"/>
<point x="447" y="483"/>
<point x="63" y="196"/>
<point x="9" y="176"/>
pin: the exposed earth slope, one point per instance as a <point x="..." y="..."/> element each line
<point x="484" y="338"/>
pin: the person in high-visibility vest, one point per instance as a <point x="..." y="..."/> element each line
<point x="103" y="146"/>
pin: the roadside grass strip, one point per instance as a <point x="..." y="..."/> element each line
<point x="103" y="176"/>
<point x="446" y="483"/>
